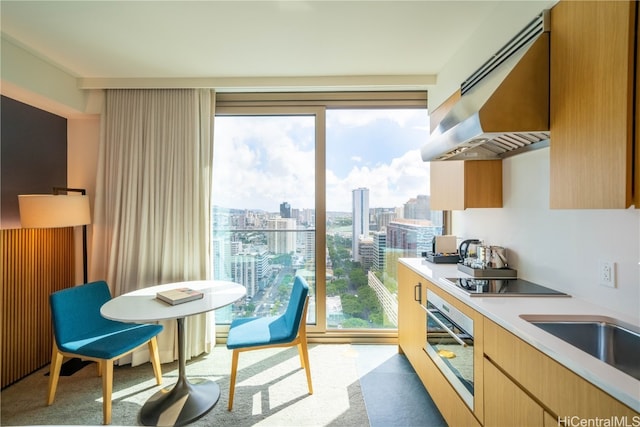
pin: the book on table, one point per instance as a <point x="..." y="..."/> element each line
<point x="179" y="295"/>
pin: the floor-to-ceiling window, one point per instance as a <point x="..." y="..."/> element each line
<point x="335" y="191"/>
<point x="264" y="212"/>
<point x="377" y="211"/>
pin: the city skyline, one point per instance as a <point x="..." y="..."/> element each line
<point x="277" y="207"/>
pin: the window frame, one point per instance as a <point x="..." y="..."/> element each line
<point x="316" y="104"/>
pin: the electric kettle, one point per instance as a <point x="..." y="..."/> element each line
<point x="498" y="257"/>
<point x="467" y="249"/>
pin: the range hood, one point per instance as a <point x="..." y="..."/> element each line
<point x="503" y="108"/>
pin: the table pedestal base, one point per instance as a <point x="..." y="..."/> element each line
<point x="180" y="405"/>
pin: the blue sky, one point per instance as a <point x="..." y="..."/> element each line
<point x="260" y="162"/>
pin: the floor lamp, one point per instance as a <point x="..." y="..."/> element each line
<point x="58" y="210"/>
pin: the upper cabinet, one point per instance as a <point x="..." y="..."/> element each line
<point x="459" y="184"/>
<point x="593" y="57"/>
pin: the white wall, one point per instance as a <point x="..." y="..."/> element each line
<point x="83" y="140"/>
<point x="28" y="78"/>
<point x="33" y="81"/>
<point x="507" y="19"/>
<point x="559" y="248"/>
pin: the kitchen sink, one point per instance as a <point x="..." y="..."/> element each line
<point x="614" y="342"/>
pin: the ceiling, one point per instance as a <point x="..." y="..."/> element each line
<point x="210" y="39"/>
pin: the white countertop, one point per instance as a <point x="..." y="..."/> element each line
<point x="506" y="311"/>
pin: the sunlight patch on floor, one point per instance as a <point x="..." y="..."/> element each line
<point x="288" y="393"/>
<point x="373" y="356"/>
<point x="257" y="404"/>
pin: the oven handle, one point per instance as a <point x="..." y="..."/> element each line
<point x="443" y="326"/>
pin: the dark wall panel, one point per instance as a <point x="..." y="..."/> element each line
<point x="33" y="155"/>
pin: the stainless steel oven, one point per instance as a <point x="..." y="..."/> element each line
<point x="449" y="343"/>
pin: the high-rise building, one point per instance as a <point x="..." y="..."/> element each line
<point x="221" y="258"/>
<point x="309" y="245"/>
<point x="411" y="236"/>
<point x="366" y="252"/>
<point x="379" y="249"/>
<point x="418" y="208"/>
<point x="243" y="271"/>
<point x="360" y="215"/>
<point x="309" y="217"/>
<point x="251" y="269"/>
<point x="384" y="217"/>
<point x="285" y="210"/>
<point x="295" y="214"/>
<point x="282" y="242"/>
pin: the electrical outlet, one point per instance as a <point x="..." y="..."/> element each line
<point x="607" y="273"/>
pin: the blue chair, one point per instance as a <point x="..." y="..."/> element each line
<point x="80" y="331"/>
<point x="285" y="330"/>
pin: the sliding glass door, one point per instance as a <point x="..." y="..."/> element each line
<point x="335" y="194"/>
<point x="264" y="211"/>
<point x="377" y="211"/>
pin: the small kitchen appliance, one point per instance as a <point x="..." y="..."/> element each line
<point x="484" y="261"/>
<point x="443" y="250"/>
<point x="498" y="257"/>
<point x="468" y="250"/>
<point x="449" y="344"/>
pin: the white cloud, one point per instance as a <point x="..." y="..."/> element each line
<point x="390" y="185"/>
<point x="258" y="164"/>
<point x="359" y="118"/>
<point x="251" y="155"/>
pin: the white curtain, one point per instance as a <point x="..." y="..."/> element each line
<point x="152" y="219"/>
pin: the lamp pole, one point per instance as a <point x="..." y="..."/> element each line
<point x="57" y="191"/>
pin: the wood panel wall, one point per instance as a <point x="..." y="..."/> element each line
<point x="34" y="263"/>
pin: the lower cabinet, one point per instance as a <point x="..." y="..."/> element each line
<point x="449" y="403"/>
<point x="564" y="395"/>
<point x="506" y="404"/>
<point x="412" y="322"/>
<point x="412" y="333"/>
<point x="514" y="383"/>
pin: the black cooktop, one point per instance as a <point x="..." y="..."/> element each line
<point x="502" y="287"/>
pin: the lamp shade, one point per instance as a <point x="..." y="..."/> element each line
<point x="52" y="211"/>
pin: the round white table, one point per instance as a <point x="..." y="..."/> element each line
<point x="187" y="400"/>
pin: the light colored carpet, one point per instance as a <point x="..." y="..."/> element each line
<point x="271" y="390"/>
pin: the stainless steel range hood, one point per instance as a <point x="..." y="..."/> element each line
<point x="504" y="106"/>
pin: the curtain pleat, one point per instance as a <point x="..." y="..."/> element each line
<point x="152" y="219"/>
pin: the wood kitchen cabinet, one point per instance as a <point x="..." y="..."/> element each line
<point x="554" y="388"/>
<point x="412" y="332"/>
<point x="459" y="184"/>
<point x="593" y="104"/>
<point x="636" y="187"/>
<point x="515" y="384"/>
<point x="412" y="322"/>
<point x="505" y="403"/>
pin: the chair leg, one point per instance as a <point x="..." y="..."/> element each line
<point x="299" y="347"/>
<point x="155" y="359"/>
<point x="54" y="373"/>
<point x="99" y="367"/>
<point x="107" y="386"/>
<point x="232" y="382"/>
<point x="304" y="355"/>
